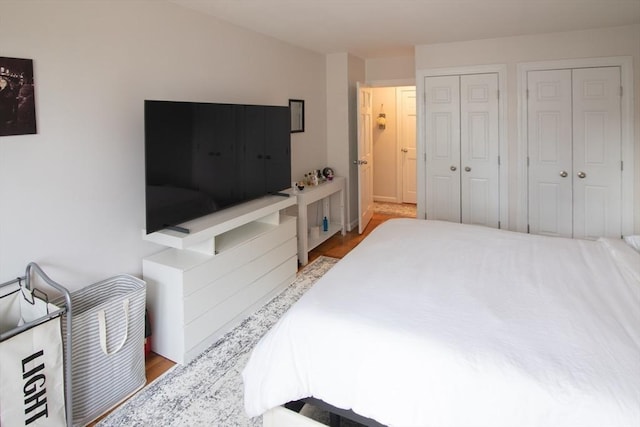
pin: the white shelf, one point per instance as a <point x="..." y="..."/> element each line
<point x="319" y="193"/>
<point x="206" y="231"/>
<point x="324" y="236"/>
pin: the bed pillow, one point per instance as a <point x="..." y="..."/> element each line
<point x="633" y="241"/>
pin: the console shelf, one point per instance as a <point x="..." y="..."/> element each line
<point x="322" y="194"/>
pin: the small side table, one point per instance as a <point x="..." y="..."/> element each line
<point x="311" y="194"/>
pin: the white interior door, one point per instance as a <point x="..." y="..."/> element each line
<point x="479" y="150"/>
<point x="550" y="153"/>
<point x="574" y="146"/>
<point x="442" y="128"/>
<point x="597" y="175"/>
<point x="406" y="99"/>
<point x="364" y="160"/>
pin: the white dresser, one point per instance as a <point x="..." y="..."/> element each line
<point x="209" y="280"/>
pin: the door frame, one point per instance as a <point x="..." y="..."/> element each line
<point x="394" y="83"/>
<point x="626" y="64"/>
<point x="421" y="75"/>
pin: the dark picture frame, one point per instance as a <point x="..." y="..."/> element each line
<point x="17" y="97"/>
<point x="296" y="108"/>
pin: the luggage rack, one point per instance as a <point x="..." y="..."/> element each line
<point x="35" y="293"/>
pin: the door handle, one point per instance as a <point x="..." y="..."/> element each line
<point x="581" y="175"/>
<point x="404" y="150"/>
<point x="467" y="168"/>
<point x="453" y="168"/>
<point x="564" y="174"/>
<point x="359" y="162"/>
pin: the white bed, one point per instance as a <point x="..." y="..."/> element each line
<point x="430" y="323"/>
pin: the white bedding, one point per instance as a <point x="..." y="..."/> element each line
<point x="430" y="323"/>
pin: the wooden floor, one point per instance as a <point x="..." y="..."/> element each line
<point x="335" y="247"/>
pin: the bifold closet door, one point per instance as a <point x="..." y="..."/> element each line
<point x="442" y="124"/>
<point x="574" y="143"/>
<point x="597" y="155"/>
<point x="550" y="153"/>
<point x="462" y="146"/>
<point x="479" y="149"/>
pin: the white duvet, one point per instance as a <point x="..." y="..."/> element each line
<point x="430" y="323"/>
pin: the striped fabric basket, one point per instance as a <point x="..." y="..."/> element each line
<point x="107" y="345"/>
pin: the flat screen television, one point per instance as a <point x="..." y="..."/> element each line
<point x="204" y="157"/>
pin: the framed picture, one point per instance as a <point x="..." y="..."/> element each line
<point x="17" y="97"/>
<point x="296" y="108"/>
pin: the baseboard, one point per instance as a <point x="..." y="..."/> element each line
<point x="386" y="199"/>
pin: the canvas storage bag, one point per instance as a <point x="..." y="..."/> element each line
<point x="31" y="367"/>
<point x="107" y="335"/>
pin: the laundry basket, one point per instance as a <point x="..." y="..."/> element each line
<point x="33" y="371"/>
<point x="108" y="345"/>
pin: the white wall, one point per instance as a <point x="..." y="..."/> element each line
<point x="343" y="72"/>
<point x="392" y="71"/>
<point x="608" y="42"/>
<point x="72" y="196"/>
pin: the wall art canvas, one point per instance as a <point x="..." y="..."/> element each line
<point x="17" y="97"/>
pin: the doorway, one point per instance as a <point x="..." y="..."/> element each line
<point x="394" y="148"/>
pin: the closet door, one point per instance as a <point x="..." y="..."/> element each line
<point x="550" y="153"/>
<point x="442" y="97"/>
<point x="479" y="149"/>
<point x="574" y="125"/>
<point x="462" y="146"/>
<point x="597" y="177"/>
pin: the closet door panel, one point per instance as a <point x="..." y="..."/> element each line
<point x="442" y="126"/>
<point x="549" y="135"/>
<point x="597" y="174"/>
<point x="479" y="149"/>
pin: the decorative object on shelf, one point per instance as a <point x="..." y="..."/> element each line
<point x="381" y="121"/>
<point x="325" y="224"/>
<point x="328" y="173"/>
<point x="300" y="185"/>
<point x="296" y="108"/>
<point x="17" y="99"/>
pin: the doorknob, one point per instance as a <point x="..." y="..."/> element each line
<point x="467" y="168"/>
<point x="564" y="174"/>
<point x="453" y="168"/>
<point x="404" y="150"/>
<point x="581" y="175"/>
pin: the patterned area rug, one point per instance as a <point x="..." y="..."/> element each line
<point x="406" y="210"/>
<point x="208" y="391"/>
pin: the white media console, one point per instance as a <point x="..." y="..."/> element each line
<point x="230" y="263"/>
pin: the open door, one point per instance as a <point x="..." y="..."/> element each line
<point x="364" y="160"/>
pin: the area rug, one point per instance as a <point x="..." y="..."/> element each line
<point x="208" y="391"/>
<point x="406" y="210"/>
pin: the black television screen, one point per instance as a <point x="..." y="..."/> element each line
<point x="204" y="157"/>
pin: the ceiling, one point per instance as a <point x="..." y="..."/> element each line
<point x="379" y="28"/>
